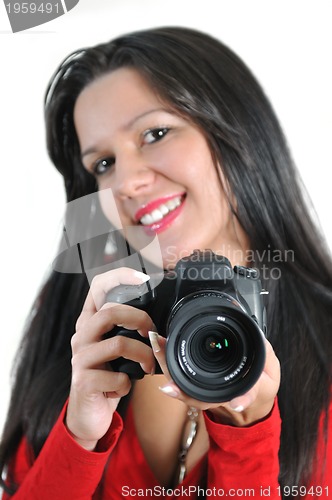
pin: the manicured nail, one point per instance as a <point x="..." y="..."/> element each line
<point x="141" y="276"/>
<point x="239" y="404"/>
<point x="153" y="336"/>
<point x="238" y="408"/>
<point x="170" y="391"/>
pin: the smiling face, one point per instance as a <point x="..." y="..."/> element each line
<point x="158" y="166"/>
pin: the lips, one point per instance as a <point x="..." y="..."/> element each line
<point x="158" y="214"/>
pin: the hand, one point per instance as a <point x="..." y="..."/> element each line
<point x="95" y="389"/>
<point x="243" y="410"/>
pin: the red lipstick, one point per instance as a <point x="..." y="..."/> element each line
<point x="160" y="225"/>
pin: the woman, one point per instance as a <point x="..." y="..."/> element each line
<point x="159" y="116"/>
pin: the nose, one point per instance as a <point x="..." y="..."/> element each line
<point x="133" y="176"/>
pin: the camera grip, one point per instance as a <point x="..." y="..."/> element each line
<point x="131" y="368"/>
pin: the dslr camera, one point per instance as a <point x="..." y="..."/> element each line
<point x="213" y="318"/>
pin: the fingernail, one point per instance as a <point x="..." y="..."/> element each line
<point x="153" y="336"/>
<point x="141" y="276"/>
<point x="170" y="391"/>
<point x="238" y="408"/>
<point x="241" y="403"/>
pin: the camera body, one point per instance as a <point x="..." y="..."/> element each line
<point x="213" y="318"/>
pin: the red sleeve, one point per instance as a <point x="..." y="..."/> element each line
<point x="243" y="461"/>
<point x="63" y="469"/>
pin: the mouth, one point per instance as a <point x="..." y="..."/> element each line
<point x="156" y="216"/>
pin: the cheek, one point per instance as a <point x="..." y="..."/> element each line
<point x="184" y="159"/>
<point x="109" y="207"/>
<point x="209" y="183"/>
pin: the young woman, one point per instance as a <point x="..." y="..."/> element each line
<point x="175" y="126"/>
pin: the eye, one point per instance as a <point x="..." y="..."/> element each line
<point x="101" y="166"/>
<point x="154" y="135"/>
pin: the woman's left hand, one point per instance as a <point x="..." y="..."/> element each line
<point x="241" y="411"/>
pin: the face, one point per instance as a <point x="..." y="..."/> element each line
<point x="158" y="166"/>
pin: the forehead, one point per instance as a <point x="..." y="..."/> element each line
<point x="123" y="92"/>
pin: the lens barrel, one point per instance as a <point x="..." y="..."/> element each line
<point x="215" y="350"/>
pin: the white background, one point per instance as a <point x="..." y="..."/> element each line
<point x="287" y="44"/>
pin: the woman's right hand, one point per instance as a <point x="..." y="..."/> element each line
<point x="96" y="390"/>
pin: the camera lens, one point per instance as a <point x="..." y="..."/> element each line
<point x="215" y="350"/>
<point x="213" y="347"/>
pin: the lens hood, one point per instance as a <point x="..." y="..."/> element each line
<point x="215" y="350"/>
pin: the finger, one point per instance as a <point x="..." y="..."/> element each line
<point x="130" y="317"/>
<point x="106" y="319"/>
<point x="103" y="283"/>
<point x="173" y="391"/>
<point x="111" y="384"/>
<point x="272" y="364"/>
<point x="241" y="403"/>
<point x="158" y="345"/>
<point x="265" y="388"/>
<point x="110" y="349"/>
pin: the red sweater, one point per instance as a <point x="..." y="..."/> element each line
<point x="241" y="462"/>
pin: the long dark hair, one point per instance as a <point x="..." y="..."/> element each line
<point x="207" y="83"/>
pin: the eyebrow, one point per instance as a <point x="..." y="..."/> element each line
<point x="130" y="124"/>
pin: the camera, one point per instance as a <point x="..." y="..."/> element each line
<point x="213" y="318"/>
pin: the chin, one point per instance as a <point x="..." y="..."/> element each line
<point x="173" y="254"/>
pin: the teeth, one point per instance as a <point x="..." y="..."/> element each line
<point x="159" y="213"/>
<point x="156" y="215"/>
<point x="163" y="209"/>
